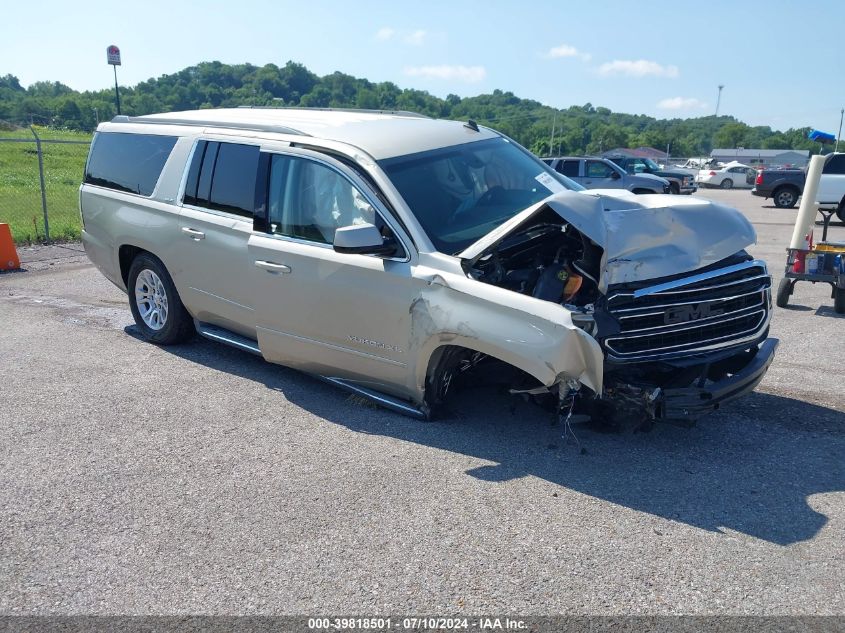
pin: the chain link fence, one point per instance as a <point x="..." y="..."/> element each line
<point x="40" y="173"/>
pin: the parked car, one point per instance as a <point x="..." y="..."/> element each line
<point x="728" y="176"/>
<point x="601" y="173"/>
<point x="694" y="165"/>
<point x="784" y="186"/>
<point x="395" y="255"/>
<point x="679" y="182"/>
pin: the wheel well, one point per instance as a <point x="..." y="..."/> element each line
<point x="449" y="362"/>
<point x="126" y="254"/>
<point x="782" y="187"/>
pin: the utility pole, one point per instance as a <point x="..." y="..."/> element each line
<point x="552" y="140"/>
<point x="719" y="99"/>
<point x="838" y="136"/>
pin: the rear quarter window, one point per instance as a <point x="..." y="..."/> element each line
<point x="128" y="162"/>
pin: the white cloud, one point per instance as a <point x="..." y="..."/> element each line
<point x="415" y="38"/>
<point x="385" y="33"/>
<point x="638" y="68"/>
<point x="469" y="74"/>
<point x="565" y="50"/>
<point x="681" y="103"/>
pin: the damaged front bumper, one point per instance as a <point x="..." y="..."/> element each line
<point x="684" y="405"/>
<point x="689" y="403"/>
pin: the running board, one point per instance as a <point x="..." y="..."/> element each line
<point x="222" y="335"/>
<point x="381" y="399"/>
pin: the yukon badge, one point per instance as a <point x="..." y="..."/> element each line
<point x="691" y="312"/>
<point x="378" y="344"/>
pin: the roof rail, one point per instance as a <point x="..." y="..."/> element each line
<point x="256" y="127"/>
<point x="406" y="113"/>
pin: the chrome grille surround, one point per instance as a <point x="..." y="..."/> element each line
<point x="705" y="312"/>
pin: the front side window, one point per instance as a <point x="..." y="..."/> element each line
<point x="595" y="169"/>
<point x="460" y="193"/>
<point x="310" y="201"/>
<point x="128" y="162"/>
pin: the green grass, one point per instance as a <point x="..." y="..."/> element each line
<point x="20" y="193"/>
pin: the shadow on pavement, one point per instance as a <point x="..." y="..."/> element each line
<point x="750" y="468"/>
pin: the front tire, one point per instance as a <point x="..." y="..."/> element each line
<point x="727" y="183"/>
<point x="785" y="198"/>
<point x="158" y="311"/>
<point x="784" y="292"/>
<point x="840" y="211"/>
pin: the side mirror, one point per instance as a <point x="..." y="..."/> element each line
<point x="362" y="239"/>
<point x="614" y="175"/>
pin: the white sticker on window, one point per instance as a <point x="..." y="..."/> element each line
<point x="550" y="183"/>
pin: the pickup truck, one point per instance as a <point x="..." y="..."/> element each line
<point x="593" y="172"/>
<point x="784" y="186"/>
<point x="679" y="181"/>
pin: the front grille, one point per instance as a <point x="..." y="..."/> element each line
<point x="715" y="309"/>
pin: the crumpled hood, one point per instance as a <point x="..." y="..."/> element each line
<point x="643" y="237"/>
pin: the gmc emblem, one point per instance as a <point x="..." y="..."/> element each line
<point x="691" y="312"/>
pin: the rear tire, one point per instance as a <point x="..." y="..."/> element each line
<point x="156" y="307"/>
<point x="785" y="197"/>
<point x="727" y="183"/>
<point x="784" y="292"/>
<point x="839" y="300"/>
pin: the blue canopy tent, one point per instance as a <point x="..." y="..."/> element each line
<point x="821" y="137"/>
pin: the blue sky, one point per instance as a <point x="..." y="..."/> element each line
<point x="663" y="59"/>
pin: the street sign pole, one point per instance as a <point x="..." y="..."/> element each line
<point x="113" y="57"/>
<point x="116" y="90"/>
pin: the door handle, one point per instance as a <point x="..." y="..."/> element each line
<point x="193" y="233"/>
<point x="272" y="267"/>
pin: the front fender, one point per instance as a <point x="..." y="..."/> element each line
<point x="535" y="336"/>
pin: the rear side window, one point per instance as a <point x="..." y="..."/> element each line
<point x="835" y="165"/>
<point x="568" y="168"/>
<point x="222" y="177"/>
<point x="128" y="162"/>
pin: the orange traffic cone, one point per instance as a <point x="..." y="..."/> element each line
<point x="8" y="255"/>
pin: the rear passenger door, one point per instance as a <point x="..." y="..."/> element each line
<point x="215" y="224"/>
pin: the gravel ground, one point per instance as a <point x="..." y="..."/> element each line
<point x="201" y="480"/>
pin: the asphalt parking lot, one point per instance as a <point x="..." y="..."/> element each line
<point x="202" y="480"/>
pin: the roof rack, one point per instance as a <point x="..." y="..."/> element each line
<point x="281" y="129"/>
<point x="406" y="113"/>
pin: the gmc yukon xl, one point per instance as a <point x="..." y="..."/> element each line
<point x="395" y="255"/>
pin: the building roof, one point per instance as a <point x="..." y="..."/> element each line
<point x="759" y="153"/>
<point x="380" y="134"/>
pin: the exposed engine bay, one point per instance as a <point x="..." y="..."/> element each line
<point x="547" y="259"/>
<point x="655" y="368"/>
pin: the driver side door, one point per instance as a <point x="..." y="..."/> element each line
<point x="334" y="314"/>
<point x="600" y="175"/>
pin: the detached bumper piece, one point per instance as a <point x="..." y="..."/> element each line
<point x="687" y="404"/>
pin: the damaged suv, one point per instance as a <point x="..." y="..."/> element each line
<point x="397" y="256"/>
